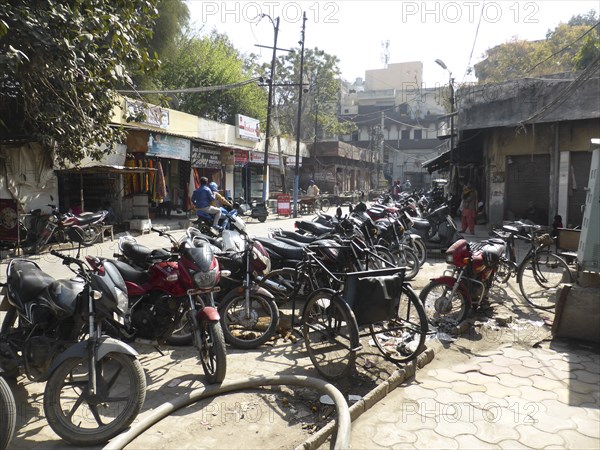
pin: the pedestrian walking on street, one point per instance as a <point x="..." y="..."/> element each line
<point x="468" y="209"/>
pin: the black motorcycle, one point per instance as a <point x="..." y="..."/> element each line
<point x="95" y="386"/>
<point x="8" y="414"/>
<point x="254" y="209"/>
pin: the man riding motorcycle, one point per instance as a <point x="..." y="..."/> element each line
<point x="203" y="197"/>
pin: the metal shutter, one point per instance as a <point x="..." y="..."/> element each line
<point x="527" y="179"/>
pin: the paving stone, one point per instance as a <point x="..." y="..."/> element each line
<point x="411" y="420"/>
<point x="570" y="397"/>
<point x="524" y="372"/>
<point x="387" y="436"/>
<point x="429" y="439"/>
<point x="466" y="367"/>
<point x="512" y="380"/>
<point x="593" y="367"/>
<point x="587" y="426"/>
<point x="533" y="437"/>
<point x="532" y="363"/>
<point x="549" y="422"/>
<point x="466" y="387"/>
<point x="592" y="412"/>
<point x="483" y="399"/>
<point x="454" y="420"/>
<point x="446" y="375"/>
<point x="516" y="353"/>
<point x="534" y="394"/>
<point x="505" y="361"/>
<point x="480" y="378"/>
<point x="512" y="444"/>
<point x="496" y="425"/>
<point x="446" y="396"/>
<point x="434" y="384"/>
<point x="574" y="439"/>
<point x="496" y="390"/>
<point x="470" y="442"/>
<point x="417" y="391"/>
<point x="586" y="377"/>
<point x="492" y="369"/>
<point x="546" y="383"/>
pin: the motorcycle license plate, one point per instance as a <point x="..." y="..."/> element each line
<point x="4" y="304"/>
<point x="203" y="291"/>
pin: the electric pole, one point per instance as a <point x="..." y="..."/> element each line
<point x="301" y="89"/>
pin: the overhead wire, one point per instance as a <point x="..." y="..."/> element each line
<point x="467" y="71"/>
<point x="193" y="90"/>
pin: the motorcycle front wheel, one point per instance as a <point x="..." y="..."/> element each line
<point x="442" y="308"/>
<point x="84" y="419"/>
<point x="91" y="234"/>
<point x="249" y="329"/>
<point x="8" y="414"/>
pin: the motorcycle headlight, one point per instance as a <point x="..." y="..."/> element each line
<point x="53" y="219"/>
<point x="122" y="300"/>
<point x="205" y="279"/>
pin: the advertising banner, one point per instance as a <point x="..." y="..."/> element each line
<point x="205" y="157"/>
<point x="247" y="128"/>
<point x="171" y="147"/>
<point x="9" y="220"/>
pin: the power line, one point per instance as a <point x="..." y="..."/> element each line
<point x="474" y="40"/>
<point x="194" y="89"/>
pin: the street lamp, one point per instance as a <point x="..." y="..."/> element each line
<point x="441" y="63"/>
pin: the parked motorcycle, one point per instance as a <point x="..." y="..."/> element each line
<point x="448" y="299"/>
<point x="8" y="414"/>
<point x="254" y="209"/>
<point x="53" y="332"/>
<point x="57" y="226"/>
<point x="171" y="301"/>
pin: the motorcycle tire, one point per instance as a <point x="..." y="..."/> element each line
<point x="253" y="331"/>
<point x="213" y="355"/>
<point x="91" y="234"/>
<point x="420" y="249"/>
<point x="69" y="411"/>
<point x="262" y="219"/>
<point x="441" y="311"/>
<point x="8" y="414"/>
<point x="407" y="258"/>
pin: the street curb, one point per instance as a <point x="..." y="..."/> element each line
<point x="371" y="399"/>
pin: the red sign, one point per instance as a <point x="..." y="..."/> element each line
<point x="283" y="205"/>
<point x="9" y="220"/>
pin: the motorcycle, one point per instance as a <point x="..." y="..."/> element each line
<point x="52" y="332"/>
<point x="58" y="225"/>
<point x="171" y="301"/>
<point x="254" y="209"/>
<point x="8" y="414"/>
<point x="205" y="221"/>
<point x="448" y="299"/>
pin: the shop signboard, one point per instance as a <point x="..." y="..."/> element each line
<point x="206" y="157"/>
<point x="170" y="147"/>
<point x="259" y="158"/>
<point x="9" y="220"/>
<point x="247" y="128"/>
<point x="150" y="115"/>
<point x="240" y="158"/>
<point x="283" y="205"/>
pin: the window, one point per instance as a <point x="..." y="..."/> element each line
<point x="418" y="134"/>
<point x="405" y="134"/>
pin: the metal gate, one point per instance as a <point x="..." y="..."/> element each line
<point x="579" y="174"/>
<point x="527" y="180"/>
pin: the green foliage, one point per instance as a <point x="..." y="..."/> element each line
<point x="60" y="64"/>
<point x="211" y="60"/>
<point x="570" y="46"/>
<point x="322" y="86"/>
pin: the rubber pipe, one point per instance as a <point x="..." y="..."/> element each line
<point x="342" y="440"/>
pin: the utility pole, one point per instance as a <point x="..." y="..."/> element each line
<point x="380" y="148"/>
<point x="301" y="89"/>
<point x="316" y="120"/>
<point x="269" y="105"/>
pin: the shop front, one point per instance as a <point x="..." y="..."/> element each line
<point x="206" y="162"/>
<point x="166" y="159"/>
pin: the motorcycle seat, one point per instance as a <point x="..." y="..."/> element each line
<point x="141" y="253"/>
<point x="28" y="280"/>
<point x="313" y="227"/>
<point x="302" y="238"/>
<point x="283" y="249"/>
<point x="291" y="241"/>
<point x="420" y="224"/>
<point x="130" y="273"/>
<point x="90" y="217"/>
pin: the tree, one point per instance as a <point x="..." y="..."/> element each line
<point x="568" y="47"/>
<point x="322" y="87"/>
<point x="212" y="60"/>
<point x="61" y="63"/>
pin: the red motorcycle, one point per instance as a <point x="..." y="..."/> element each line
<point x="172" y="300"/>
<point x="447" y="299"/>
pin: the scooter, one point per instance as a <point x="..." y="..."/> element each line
<point x="254" y="209"/>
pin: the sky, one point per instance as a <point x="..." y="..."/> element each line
<point x="457" y="32"/>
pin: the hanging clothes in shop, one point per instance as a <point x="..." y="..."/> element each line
<point x="161" y="185"/>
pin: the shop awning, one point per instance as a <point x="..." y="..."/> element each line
<point x="440" y="162"/>
<point x="106" y="169"/>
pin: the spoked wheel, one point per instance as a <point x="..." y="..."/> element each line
<point x="441" y="307"/>
<point x="385" y="259"/>
<point x="325" y="204"/>
<point x="330" y="333"/>
<point x="83" y="418"/>
<point x="91" y="234"/>
<point x="251" y="328"/>
<point x="539" y="278"/>
<point x="421" y="250"/>
<point x="405" y="257"/>
<point x="213" y="354"/>
<point x="8" y="414"/>
<point x="402" y="338"/>
<point x="504" y="271"/>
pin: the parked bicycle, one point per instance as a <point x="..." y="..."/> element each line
<point x="541" y="271"/>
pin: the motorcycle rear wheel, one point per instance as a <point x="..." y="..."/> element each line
<point x="82" y="419"/>
<point x="406" y="257"/>
<point x="8" y="414"/>
<point x="91" y="234"/>
<point x="242" y="331"/>
<point x="442" y="311"/>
